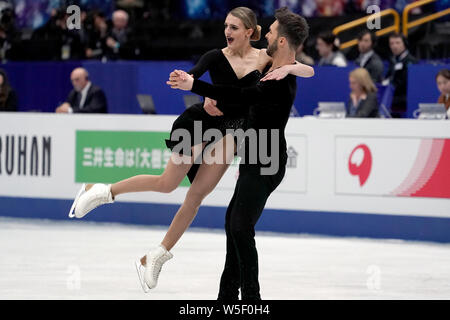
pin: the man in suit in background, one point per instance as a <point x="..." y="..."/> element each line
<point x="397" y="74"/>
<point x="85" y="96"/>
<point x="368" y="59"/>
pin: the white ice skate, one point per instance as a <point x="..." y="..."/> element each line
<point x="148" y="274"/>
<point x="86" y="201"/>
<point x="82" y="189"/>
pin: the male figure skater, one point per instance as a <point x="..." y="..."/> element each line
<point x="269" y="104"/>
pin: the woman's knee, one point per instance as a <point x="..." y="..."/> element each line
<point x="195" y="196"/>
<point x="166" y="185"/>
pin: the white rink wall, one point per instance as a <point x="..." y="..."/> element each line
<point x="367" y="171"/>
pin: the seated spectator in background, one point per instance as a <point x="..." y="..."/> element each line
<point x="8" y="97"/>
<point x="397" y="74"/>
<point x="301" y="56"/>
<point x="368" y="59"/>
<point x="85" y="97"/>
<point x="363" y="101"/>
<point x="328" y="47"/>
<point x="443" y="84"/>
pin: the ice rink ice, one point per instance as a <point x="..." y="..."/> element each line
<point x="43" y="259"/>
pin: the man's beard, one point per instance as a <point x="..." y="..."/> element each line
<point x="271" y="49"/>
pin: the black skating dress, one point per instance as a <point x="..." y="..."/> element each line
<point x="221" y="73"/>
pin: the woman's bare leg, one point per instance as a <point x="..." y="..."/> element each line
<point x="175" y="171"/>
<point x="205" y="181"/>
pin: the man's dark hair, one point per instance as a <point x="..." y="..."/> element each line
<point x="397" y="35"/>
<point x="373" y="36"/>
<point x="292" y="26"/>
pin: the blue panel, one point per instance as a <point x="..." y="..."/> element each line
<point x="40" y="86"/>
<point x="152" y="80"/>
<point x="119" y="80"/>
<point x="422" y="86"/>
<point x="328" y="84"/>
<point x="285" y="221"/>
<point x="44" y="85"/>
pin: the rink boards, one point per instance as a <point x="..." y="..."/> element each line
<point x="367" y="178"/>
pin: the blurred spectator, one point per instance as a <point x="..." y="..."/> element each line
<point x="330" y="7"/>
<point x="96" y="28"/>
<point x="119" y="34"/>
<point x="302" y="57"/>
<point x="368" y="59"/>
<point x="60" y="42"/>
<point x="397" y="74"/>
<point x="328" y="47"/>
<point x="108" y="42"/>
<point x="134" y="7"/>
<point x="9" y="35"/>
<point x="363" y="101"/>
<point x="85" y="97"/>
<point x="8" y="97"/>
<point x="443" y="84"/>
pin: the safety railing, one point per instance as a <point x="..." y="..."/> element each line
<point x="378" y="15"/>
<point x="406" y="24"/>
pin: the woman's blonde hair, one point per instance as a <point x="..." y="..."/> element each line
<point x="364" y="80"/>
<point x="248" y="18"/>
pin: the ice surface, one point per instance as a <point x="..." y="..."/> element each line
<point x="42" y="259"/>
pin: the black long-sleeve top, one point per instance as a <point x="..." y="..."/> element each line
<point x="222" y="73"/>
<point x="11" y="103"/>
<point x="266" y="105"/>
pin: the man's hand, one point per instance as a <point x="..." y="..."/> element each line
<point x="64" y="108"/>
<point x="110" y="42"/>
<point x="179" y="79"/>
<point x="210" y="107"/>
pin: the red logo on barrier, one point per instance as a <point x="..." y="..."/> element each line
<point x="360" y="163"/>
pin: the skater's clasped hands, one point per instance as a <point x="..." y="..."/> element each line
<point x="180" y="79"/>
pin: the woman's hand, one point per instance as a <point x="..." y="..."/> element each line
<point x="210" y="107"/>
<point x="298" y="69"/>
<point x="179" y="79"/>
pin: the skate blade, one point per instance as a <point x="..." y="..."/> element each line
<point x="74" y="204"/>
<point x="140" y="271"/>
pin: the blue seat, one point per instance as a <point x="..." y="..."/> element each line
<point x="385" y="96"/>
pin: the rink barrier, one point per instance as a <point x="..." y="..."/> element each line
<point x="351" y="177"/>
<point x="377" y="226"/>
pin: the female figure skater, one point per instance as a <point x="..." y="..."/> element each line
<point x="237" y="64"/>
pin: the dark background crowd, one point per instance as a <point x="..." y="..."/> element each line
<point x="38" y="30"/>
<point x="177" y="29"/>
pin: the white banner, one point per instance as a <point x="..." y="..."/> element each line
<point x="365" y="166"/>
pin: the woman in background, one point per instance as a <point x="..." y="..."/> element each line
<point x="443" y="84"/>
<point x="363" y="102"/>
<point x="8" y="97"/>
<point x="328" y="47"/>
